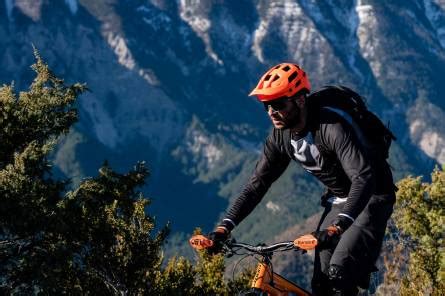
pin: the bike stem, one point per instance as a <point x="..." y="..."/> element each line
<point x="267" y="259"/>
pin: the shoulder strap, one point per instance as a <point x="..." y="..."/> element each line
<point x="287" y="144"/>
<point x="348" y="118"/>
<point x="319" y="143"/>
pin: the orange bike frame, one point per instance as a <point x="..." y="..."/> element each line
<point x="278" y="287"/>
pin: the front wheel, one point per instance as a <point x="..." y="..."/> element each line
<point x="253" y="292"/>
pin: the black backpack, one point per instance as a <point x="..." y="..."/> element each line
<point x="377" y="134"/>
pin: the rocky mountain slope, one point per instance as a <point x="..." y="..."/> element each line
<point x="169" y="79"/>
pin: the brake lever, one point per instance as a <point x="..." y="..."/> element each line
<point x="230" y="241"/>
<point x="228" y="252"/>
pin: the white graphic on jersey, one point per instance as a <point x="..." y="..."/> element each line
<point x="307" y="153"/>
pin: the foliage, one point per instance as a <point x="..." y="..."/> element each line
<point x="206" y="277"/>
<point x="420" y="220"/>
<point x="95" y="239"/>
<point x="29" y="125"/>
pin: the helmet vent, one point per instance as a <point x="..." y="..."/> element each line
<point x="282" y="80"/>
<point x="292" y="76"/>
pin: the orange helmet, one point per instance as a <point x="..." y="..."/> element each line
<point x="282" y="80"/>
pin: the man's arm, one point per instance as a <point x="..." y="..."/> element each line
<point x="271" y="165"/>
<point x="353" y="157"/>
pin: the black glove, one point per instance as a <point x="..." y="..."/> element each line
<point x="342" y="223"/>
<point x="219" y="236"/>
<point x="329" y="237"/>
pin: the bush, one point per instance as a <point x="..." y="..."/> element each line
<point x="417" y="264"/>
<point x="95" y="239"/>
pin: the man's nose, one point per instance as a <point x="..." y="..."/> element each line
<point x="271" y="111"/>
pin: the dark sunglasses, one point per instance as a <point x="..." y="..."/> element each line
<point x="277" y="105"/>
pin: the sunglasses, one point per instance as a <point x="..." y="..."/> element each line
<point x="277" y="105"/>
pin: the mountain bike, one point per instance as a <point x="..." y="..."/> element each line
<point x="265" y="281"/>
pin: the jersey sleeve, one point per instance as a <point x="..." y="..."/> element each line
<point x="270" y="166"/>
<point x="341" y="138"/>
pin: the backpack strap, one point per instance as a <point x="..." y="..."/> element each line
<point x="324" y="151"/>
<point x="348" y="118"/>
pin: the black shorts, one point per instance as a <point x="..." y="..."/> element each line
<point x="359" y="246"/>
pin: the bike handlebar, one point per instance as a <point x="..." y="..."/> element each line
<point x="261" y="250"/>
<point x="305" y="242"/>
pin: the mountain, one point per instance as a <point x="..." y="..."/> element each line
<point x="169" y="81"/>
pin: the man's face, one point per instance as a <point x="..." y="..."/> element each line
<point x="284" y="113"/>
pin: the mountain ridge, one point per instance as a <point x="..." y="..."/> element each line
<point x="169" y="81"/>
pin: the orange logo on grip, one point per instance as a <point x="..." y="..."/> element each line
<point x="306" y="242"/>
<point x="200" y="242"/>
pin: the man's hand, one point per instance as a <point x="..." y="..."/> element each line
<point x="218" y="236"/>
<point x="329" y="237"/>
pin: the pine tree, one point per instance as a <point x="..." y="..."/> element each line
<point x="204" y="277"/>
<point x="417" y="266"/>
<point x="29" y="126"/>
<point x="96" y="239"/>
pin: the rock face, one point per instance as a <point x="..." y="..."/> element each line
<point x="169" y="81"/>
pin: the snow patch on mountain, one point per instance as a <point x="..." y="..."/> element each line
<point x="149" y="76"/>
<point x="121" y="50"/>
<point x="125" y="57"/>
<point x="297" y="29"/>
<point x="273" y="207"/>
<point x="259" y="35"/>
<point x="367" y="35"/>
<point x="103" y="124"/>
<point x="154" y="18"/>
<point x="32" y="9"/>
<point x="148" y="114"/>
<point x="9" y="4"/>
<point x="435" y="12"/>
<point x="345" y="43"/>
<point x="313" y="9"/>
<point x="232" y="40"/>
<point x="161" y="4"/>
<point x="195" y="13"/>
<point x="353" y="21"/>
<point x="424" y="130"/>
<point x="72" y="5"/>
<point x="200" y="144"/>
<point x="432" y="143"/>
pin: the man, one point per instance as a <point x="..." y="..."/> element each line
<point x="360" y="190"/>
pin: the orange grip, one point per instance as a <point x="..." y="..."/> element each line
<point x="306" y="242"/>
<point x="200" y="242"/>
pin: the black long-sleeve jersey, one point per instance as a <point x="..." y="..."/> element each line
<point x="333" y="149"/>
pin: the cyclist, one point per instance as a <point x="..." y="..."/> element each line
<point x="360" y="192"/>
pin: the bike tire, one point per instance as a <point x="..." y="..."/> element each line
<point x="253" y="292"/>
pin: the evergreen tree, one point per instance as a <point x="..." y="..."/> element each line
<point x="416" y="264"/>
<point x="96" y="239"/>
<point x="29" y="126"/>
<point x="205" y="277"/>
